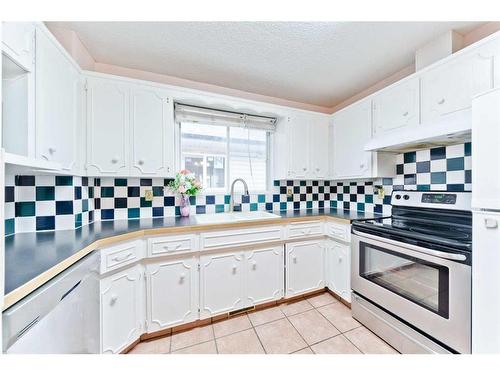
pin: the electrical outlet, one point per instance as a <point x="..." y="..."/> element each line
<point x="289" y="193"/>
<point x="148" y="195"/>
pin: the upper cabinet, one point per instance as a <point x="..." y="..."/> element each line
<point x="18" y="42"/>
<point x="396" y="107"/>
<point x="449" y="87"/>
<point x="130" y="129"/>
<point x="58" y="93"/>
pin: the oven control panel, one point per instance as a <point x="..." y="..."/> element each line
<point x="439" y="198"/>
<point x="459" y="200"/>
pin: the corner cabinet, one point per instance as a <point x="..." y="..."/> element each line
<point x="121" y="301"/>
<point x="130" y="129"/>
<point x="338" y="268"/>
<point x="304" y="267"/>
<point x="58" y="95"/>
<point x="171" y="293"/>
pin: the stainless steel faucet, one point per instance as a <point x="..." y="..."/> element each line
<point x="231" y="201"/>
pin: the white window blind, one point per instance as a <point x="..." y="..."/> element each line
<point x="193" y="114"/>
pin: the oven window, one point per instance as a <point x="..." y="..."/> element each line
<point x="422" y="282"/>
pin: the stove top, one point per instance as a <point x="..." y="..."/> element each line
<point x="447" y="222"/>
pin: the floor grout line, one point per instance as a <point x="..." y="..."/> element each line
<point x="256" y="334"/>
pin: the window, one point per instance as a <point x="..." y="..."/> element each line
<point x="218" y="154"/>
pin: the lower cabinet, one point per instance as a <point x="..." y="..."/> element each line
<point x="171" y="293"/>
<point x="305" y="269"/>
<point x="122" y="306"/>
<point x="338" y="268"/>
<point x="234" y="280"/>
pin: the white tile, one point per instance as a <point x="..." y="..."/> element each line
<point x="410" y="168"/>
<point x="64" y="193"/>
<point x="423" y="178"/>
<point x="107" y="181"/>
<point x="424" y="155"/>
<point x="468" y="162"/>
<point x="10" y="210"/>
<point x="133" y="181"/>
<point x="169" y="211"/>
<point x="25" y="224"/>
<point x="455" y="151"/>
<point x="45" y="208"/>
<point x="121" y="214"/>
<point x="133" y="202"/>
<point x="45" y="180"/>
<point x="107" y="203"/>
<point x="65" y="222"/>
<point x="77" y="206"/>
<point x="146" y="212"/>
<point x="455" y="177"/>
<point x="10" y="179"/>
<point x="438" y="165"/>
<point x="399" y="158"/>
<point x="25" y="193"/>
<point x="120" y="191"/>
<point x="439" y="187"/>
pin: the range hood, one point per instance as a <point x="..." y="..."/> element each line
<point x="450" y="129"/>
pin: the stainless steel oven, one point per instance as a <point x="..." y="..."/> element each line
<point x="424" y="284"/>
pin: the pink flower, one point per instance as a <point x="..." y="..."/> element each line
<point x="182" y="189"/>
<point x="184" y="172"/>
<point x="197" y="184"/>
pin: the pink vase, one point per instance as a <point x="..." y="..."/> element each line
<point x="185" y="206"/>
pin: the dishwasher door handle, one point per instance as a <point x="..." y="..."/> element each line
<point x="70" y="290"/>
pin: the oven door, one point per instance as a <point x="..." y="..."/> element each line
<point x="429" y="289"/>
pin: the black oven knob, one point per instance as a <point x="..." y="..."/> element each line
<point x="398" y="196"/>
<point x="406" y="197"/>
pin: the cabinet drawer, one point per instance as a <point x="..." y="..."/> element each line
<point x="172" y="244"/>
<point x="240" y="237"/>
<point x="305" y="229"/>
<point x="339" y="231"/>
<point x="120" y="255"/>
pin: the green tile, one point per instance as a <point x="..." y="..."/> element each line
<point x="309" y="204"/>
<point x="423" y="187"/>
<point x="360" y="206"/>
<point x="133" y="213"/>
<point x="107" y="192"/>
<point x="145" y="203"/>
<point x="227" y="198"/>
<point x="455" y="164"/>
<point x="45" y="193"/>
<point x="438" y="177"/>
<point x="64" y="180"/>
<point x="261" y="198"/>
<point x="219" y="208"/>
<point x="24" y="209"/>
<point x="78" y="220"/>
<point x="10" y="226"/>
<point x="120" y="182"/>
<point x="283" y="206"/>
<point x="368" y="198"/>
<point x="158" y="191"/>
<point x="253" y="206"/>
<point x="467" y="149"/>
<point x="410" y="157"/>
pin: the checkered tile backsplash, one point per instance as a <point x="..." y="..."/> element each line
<point x="37" y="203"/>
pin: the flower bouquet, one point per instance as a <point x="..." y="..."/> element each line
<point x="186" y="185"/>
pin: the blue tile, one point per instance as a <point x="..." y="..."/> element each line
<point x="387" y="199"/>
<point x="455" y="164"/>
<point x="386" y="181"/>
<point x="158" y="212"/>
<point x="438" y="177"/>
<point x="410" y="157"/>
<point x="468" y="176"/>
<point x="24" y="180"/>
<point x="309" y="204"/>
<point x="177" y="211"/>
<point x="455" y="187"/>
<point x="276" y="183"/>
<point x="360" y="206"/>
<point x="369" y="198"/>
<point x="25" y="209"/>
<point x="91" y="192"/>
<point x="45" y="193"/>
<point x="145" y="203"/>
<point x="200" y="209"/>
<point x="210" y="199"/>
<point x="120" y="203"/>
<point x="296" y="189"/>
<point x="120" y="182"/>
<point x="360" y="189"/>
<point x="220" y="208"/>
<point x="353" y="198"/>
<point x="269" y="206"/>
<point x="167" y="181"/>
<point x="107" y="192"/>
<point x="46" y="223"/>
<point x="423" y="167"/>
<point x="347" y="189"/>
<point x="423" y="187"/>
<point x="157" y="191"/>
<point x="378" y="208"/>
<point x="333" y="204"/>
<point x="398" y="187"/>
<point x="78" y="192"/>
<point x="169" y="201"/>
<point x="133" y="191"/>
<point x="438" y="153"/>
<point x="85" y="181"/>
<point x="64" y="207"/>
<point x="467" y="149"/>
<point x="64" y="180"/>
<point x="85" y="205"/>
<point x="97" y="203"/>
<point x="78" y="220"/>
<point x="283" y="189"/>
<point x="91" y="216"/>
<point x="283" y="206"/>
<point x="261" y="198"/>
<point x="107" y="214"/>
<point x="289" y="183"/>
<point x="9" y="194"/>
<point x="10" y="226"/>
<point x="410" y="179"/>
<point x="321" y="204"/>
<point x="253" y="206"/>
<point x="276" y="198"/>
<point x="227" y="199"/>
<point x="347" y="206"/>
<point x="134" y="213"/>
<point x="303" y="183"/>
<point x="245" y="199"/>
<point x="146" y="182"/>
<point x="340" y="197"/>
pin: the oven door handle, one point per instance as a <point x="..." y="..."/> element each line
<point x="436" y="253"/>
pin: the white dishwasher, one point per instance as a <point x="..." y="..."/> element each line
<point x="62" y="316"/>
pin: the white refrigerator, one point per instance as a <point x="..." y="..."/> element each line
<point x="486" y="222"/>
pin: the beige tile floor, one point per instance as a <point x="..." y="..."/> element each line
<point x="315" y="325"/>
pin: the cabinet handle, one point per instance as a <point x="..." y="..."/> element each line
<point x="140" y="162"/>
<point x="254" y="265"/>
<point x="114" y="160"/>
<point x="441" y="101"/>
<point x="123" y="257"/>
<point x="234" y="269"/>
<point x="361" y="166"/>
<point x="306" y="231"/>
<point x="113" y="299"/>
<point x="182" y="276"/>
<point x="317" y="169"/>
<point x="305" y="168"/>
<point x="405" y="114"/>
<point x="294" y="259"/>
<point x="167" y="247"/>
<point x="52" y="150"/>
<point x="490" y="223"/>
<point x="340" y="259"/>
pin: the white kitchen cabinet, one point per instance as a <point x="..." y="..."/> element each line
<point x="396" y="107"/>
<point x="121" y="300"/>
<point x="151" y="132"/>
<point x="221" y="283"/>
<point x="304" y="267"/>
<point x="298" y="146"/>
<point x="57" y="101"/>
<point x="450" y="86"/>
<point x="107" y="127"/>
<point x="338" y="275"/>
<point x="18" y="42"/>
<point x="171" y="293"/>
<point x="318" y="147"/>
<point x="264" y="275"/>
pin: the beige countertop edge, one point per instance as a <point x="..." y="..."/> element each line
<point x="25" y="289"/>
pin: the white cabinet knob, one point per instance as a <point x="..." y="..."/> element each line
<point x="140" y="162"/>
<point x="114" y="160"/>
<point x="254" y="265"/>
<point x="234" y="269"/>
<point x="52" y="150"/>
<point x="317" y="169"/>
<point x="294" y="259"/>
<point x="405" y="114"/>
<point x="441" y="101"/>
<point x="490" y="223"/>
<point x="182" y="276"/>
<point x="340" y="259"/>
<point x="113" y="299"/>
<point x="305" y="168"/>
<point x="361" y="166"/>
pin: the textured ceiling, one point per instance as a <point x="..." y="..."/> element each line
<point x="321" y="63"/>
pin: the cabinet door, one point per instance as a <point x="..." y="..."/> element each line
<point x="107" y="127"/>
<point x="17" y="42"/>
<point x="319" y="136"/>
<point x="221" y="283"/>
<point x="298" y="165"/>
<point x="450" y="87"/>
<point x="304" y="267"/>
<point x="121" y="310"/>
<point x="338" y="269"/>
<point x="264" y="275"/>
<point x="396" y="107"/>
<point x="172" y="293"/>
<point x="152" y="132"/>
<point x="351" y="131"/>
<point x="56" y="103"/>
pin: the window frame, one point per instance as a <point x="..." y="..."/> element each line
<point x="227" y="189"/>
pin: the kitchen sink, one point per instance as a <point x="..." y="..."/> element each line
<point x="228" y="217"/>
